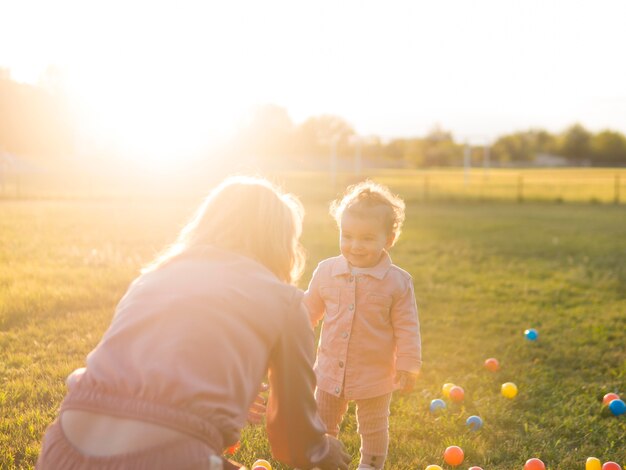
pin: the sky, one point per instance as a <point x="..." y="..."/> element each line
<point x="478" y="68"/>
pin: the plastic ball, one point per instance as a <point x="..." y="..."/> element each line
<point x="437" y="405"/>
<point x="474" y="422"/>
<point x="531" y="334"/>
<point x="534" y="464"/>
<point x="434" y="467"/>
<point x="453" y="455"/>
<point x="261" y="465"/>
<point x="611" y="466"/>
<point x="475" y="468"/>
<point x="457" y="394"/>
<point x="492" y="364"/>
<point x="232" y="449"/>
<point x="609" y="397"/>
<point x="593" y="464"/>
<point x="446" y="389"/>
<point x="509" y="390"/>
<point x="617" y="407"/>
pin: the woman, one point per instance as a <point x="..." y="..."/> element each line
<point x="171" y="381"/>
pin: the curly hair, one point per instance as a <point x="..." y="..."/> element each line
<point x="250" y="216"/>
<point x="364" y="198"/>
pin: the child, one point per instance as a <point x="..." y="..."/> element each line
<point x="171" y="381"/>
<point x="370" y="340"/>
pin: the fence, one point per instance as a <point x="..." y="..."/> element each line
<point x="590" y="185"/>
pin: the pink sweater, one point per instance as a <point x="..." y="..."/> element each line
<point x="370" y="330"/>
<point x="189" y="346"/>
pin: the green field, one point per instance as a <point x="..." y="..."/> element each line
<point x="484" y="271"/>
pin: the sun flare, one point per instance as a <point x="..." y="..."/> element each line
<point x="150" y="119"/>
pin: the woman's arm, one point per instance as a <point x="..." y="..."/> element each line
<point x="296" y="433"/>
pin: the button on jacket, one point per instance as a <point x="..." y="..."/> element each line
<point x="370" y="329"/>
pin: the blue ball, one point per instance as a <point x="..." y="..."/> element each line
<point x="437" y="405"/>
<point x="531" y="334"/>
<point x="474" y="422"/>
<point x="617" y="407"/>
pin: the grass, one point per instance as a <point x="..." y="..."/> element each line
<point x="483" y="272"/>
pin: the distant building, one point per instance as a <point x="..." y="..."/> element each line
<point x="549" y="160"/>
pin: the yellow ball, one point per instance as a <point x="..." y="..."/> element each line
<point x="593" y="464"/>
<point x="509" y="390"/>
<point x="446" y="389"/>
<point x="261" y="464"/>
<point x="434" y="467"/>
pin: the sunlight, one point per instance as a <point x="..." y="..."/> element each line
<point x="150" y="119"/>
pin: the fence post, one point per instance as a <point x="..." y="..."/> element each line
<point x="617" y="184"/>
<point x="520" y="188"/>
<point x="333" y="163"/>
<point x="425" y="189"/>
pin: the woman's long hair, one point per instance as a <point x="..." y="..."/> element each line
<point x="249" y="216"/>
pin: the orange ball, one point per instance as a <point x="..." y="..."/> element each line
<point x="454" y="456"/>
<point x="609" y="397"/>
<point x="534" y="464"/>
<point x="492" y="364"/>
<point x="457" y="394"/>
<point x="232" y="449"/>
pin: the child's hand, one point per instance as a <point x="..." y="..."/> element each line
<point x="405" y="381"/>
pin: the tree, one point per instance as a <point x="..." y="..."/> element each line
<point x="608" y="147"/>
<point x="318" y="134"/>
<point x="35" y="122"/>
<point x="523" y="146"/>
<point x="575" y="143"/>
<point x="439" y="148"/>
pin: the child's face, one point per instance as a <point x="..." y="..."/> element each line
<point x="363" y="239"/>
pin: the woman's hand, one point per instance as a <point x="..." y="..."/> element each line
<point x="258" y="408"/>
<point x="337" y="457"/>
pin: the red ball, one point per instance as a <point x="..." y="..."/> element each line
<point x="611" y="466"/>
<point x="454" y="456"/>
<point x="534" y="464"/>
<point x="609" y="397"/>
<point x="492" y="364"/>
<point x="232" y="449"/>
<point x="457" y="394"/>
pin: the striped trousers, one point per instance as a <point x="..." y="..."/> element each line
<point x="372" y="415"/>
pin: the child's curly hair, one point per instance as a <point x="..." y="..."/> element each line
<point x="361" y="198"/>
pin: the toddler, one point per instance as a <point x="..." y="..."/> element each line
<point x="370" y="340"/>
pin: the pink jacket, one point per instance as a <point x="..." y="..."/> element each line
<point x="189" y="346"/>
<point x="370" y="329"/>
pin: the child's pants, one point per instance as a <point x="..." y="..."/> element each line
<point x="372" y="415"/>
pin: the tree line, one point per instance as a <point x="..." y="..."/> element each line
<point x="271" y="132"/>
<point x="35" y="122"/>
